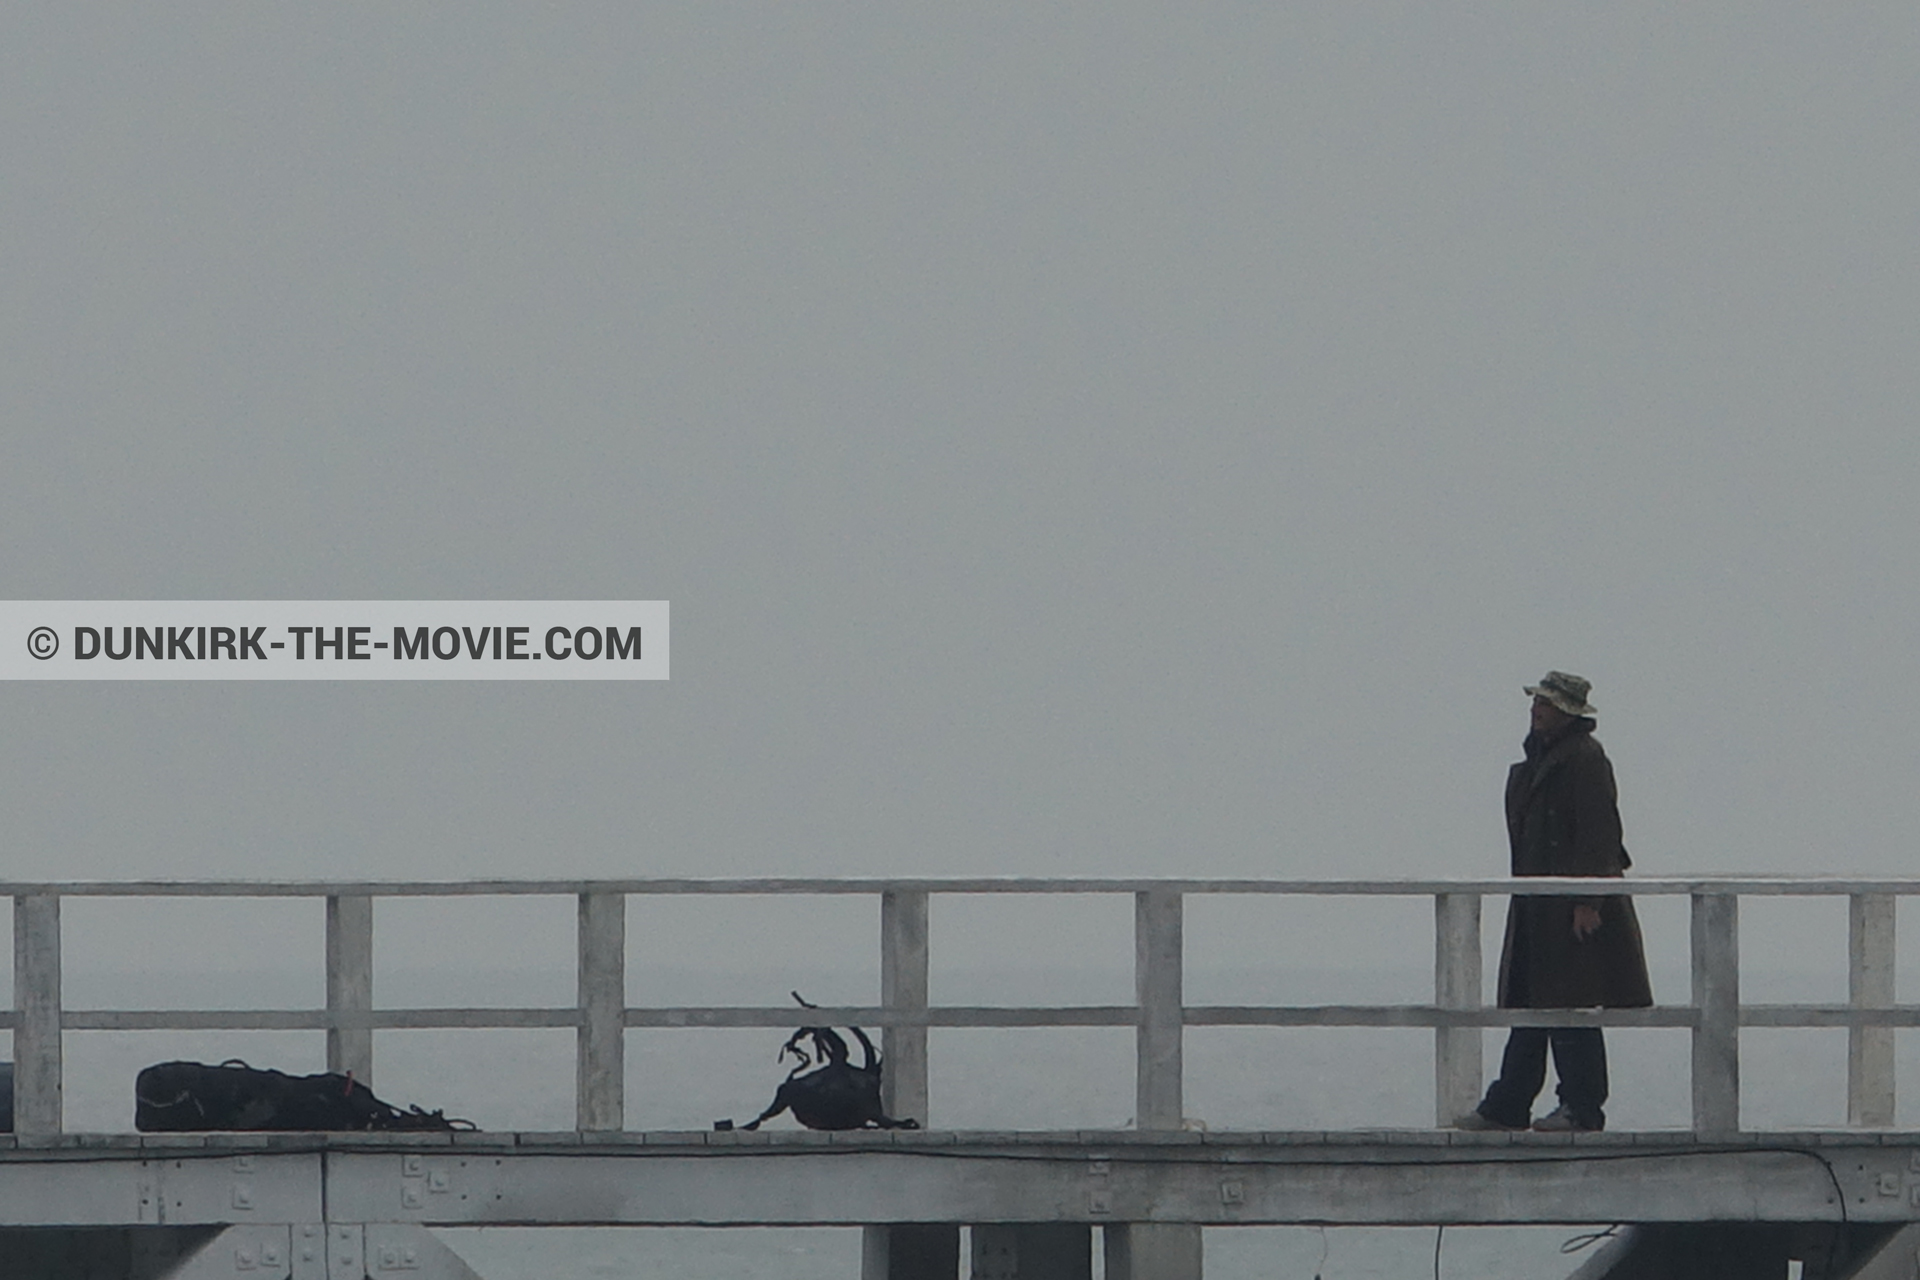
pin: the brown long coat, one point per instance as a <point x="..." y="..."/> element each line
<point x="1563" y="819"/>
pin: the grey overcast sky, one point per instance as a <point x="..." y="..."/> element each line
<point x="1074" y="438"/>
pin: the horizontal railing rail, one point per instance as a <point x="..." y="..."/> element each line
<point x="600" y="1017"/>
<point x="1738" y="886"/>
<point x="502" y="1018"/>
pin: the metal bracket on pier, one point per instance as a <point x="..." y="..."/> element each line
<point x="400" y="1251"/>
<point x="311" y="1251"/>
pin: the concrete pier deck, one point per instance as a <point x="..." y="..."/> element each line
<point x="740" y="1179"/>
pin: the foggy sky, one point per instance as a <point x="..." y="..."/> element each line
<point x="1073" y="439"/>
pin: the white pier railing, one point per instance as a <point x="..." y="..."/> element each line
<point x="601" y="1015"/>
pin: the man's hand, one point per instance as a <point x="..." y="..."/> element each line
<point x="1586" y="922"/>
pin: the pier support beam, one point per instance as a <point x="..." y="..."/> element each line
<point x="1742" y="1250"/>
<point x="311" y="1251"/>
<point x="1033" y="1251"/>
<point x="97" y="1253"/>
<point x="1884" y="1253"/>
<point x="1154" y="1251"/>
<point x="1692" y="1251"/>
<point x="910" y="1251"/>
<point x="306" y="1251"/>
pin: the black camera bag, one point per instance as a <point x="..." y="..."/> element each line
<point x="192" y="1097"/>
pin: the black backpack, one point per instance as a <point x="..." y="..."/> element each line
<point x="191" y="1097"/>
<point x="826" y="1091"/>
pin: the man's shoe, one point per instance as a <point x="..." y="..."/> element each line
<point x="1561" y="1120"/>
<point x="1477" y="1122"/>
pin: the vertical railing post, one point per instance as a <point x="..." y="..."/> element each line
<point x="350" y="985"/>
<point x="1456" y="985"/>
<point x="1157" y="1250"/>
<point x="1870" y="934"/>
<point x="1157" y="957"/>
<point x="1716" y="1002"/>
<point x="903" y="988"/>
<point x="600" y="1079"/>
<point x="906" y="1250"/>
<point x="37" y="1089"/>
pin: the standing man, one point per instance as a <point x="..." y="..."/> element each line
<point x="1563" y="953"/>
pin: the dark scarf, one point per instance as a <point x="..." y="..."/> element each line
<point x="1538" y="744"/>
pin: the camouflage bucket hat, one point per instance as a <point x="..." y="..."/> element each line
<point x="1569" y="693"/>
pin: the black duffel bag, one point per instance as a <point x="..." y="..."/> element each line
<point x="192" y="1097"/>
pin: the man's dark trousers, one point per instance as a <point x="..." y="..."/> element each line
<point x="1580" y="1058"/>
